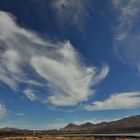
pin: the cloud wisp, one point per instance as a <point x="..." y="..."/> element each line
<point x="127" y="32"/>
<point x="71" y="12"/>
<point x="30" y="94"/>
<point x="126" y="100"/>
<point x="27" y="58"/>
<point x="3" y="110"/>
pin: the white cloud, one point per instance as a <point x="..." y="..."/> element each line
<point x="3" y="110"/>
<point x="10" y="70"/>
<point x="69" y="80"/>
<point x="127" y="32"/>
<point x="19" y="114"/>
<point x="71" y="12"/>
<point x="126" y="100"/>
<point x="11" y="64"/>
<point x="30" y="94"/>
<point x="57" y="66"/>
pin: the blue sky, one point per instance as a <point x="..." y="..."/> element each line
<point x="67" y="61"/>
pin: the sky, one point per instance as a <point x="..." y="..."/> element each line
<point x="68" y="61"/>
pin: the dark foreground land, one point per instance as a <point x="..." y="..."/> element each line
<point x="70" y="138"/>
<point x="74" y="137"/>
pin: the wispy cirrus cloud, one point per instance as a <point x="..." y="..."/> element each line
<point x="27" y="58"/>
<point x="127" y="31"/>
<point x="71" y="12"/>
<point x="125" y="100"/>
<point x="29" y="93"/>
<point x="127" y="11"/>
<point x="19" y="114"/>
<point x="3" y="110"/>
<point x="68" y="79"/>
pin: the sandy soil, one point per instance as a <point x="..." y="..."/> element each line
<point x="66" y="138"/>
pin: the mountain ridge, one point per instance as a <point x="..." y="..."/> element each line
<point x="124" y="125"/>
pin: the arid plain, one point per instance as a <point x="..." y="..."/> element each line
<point x="69" y="138"/>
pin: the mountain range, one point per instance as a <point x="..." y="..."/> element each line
<point x="125" y="125"/>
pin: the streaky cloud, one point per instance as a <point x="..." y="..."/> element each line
<point x="124" y="100"/>
<point x="29" y="93"/>
<point x="56" y="66"/>
<point x="3" y="110"/>
<point x="71" y="12"/>
<point x="127" y="32"/>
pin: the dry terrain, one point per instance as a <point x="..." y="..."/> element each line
<point x="67" y="138"/>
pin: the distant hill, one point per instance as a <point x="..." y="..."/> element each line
<point x="8" y="129"/>
<point x="126" y="125"/>
<point x="71" y="127"/>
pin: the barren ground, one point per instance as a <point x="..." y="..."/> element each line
<point x="66" y="138"/>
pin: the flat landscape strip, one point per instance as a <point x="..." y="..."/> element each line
<point x="69" y="138"/>
<point x="101" y="135"/>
